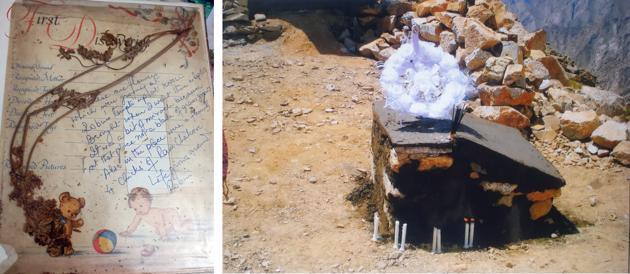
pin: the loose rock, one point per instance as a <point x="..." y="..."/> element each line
<point x="384" y="54"/>
<point x="427" y="7"/>
<point x="430" y="31"/>
<point x="592" y="149"/>
<point x="503" y="115"/>
<point x="514" y="74"/>
<point x="536" y="40"/>
<point x="477" y="59"/>
<point x="504" y="96"/>
<point x="447" y="42"/>
<point x="578" y="125"/>
<point x="536" y="73"/>
<point x="609" y="134"/>
<point x="555" y="69"/>
<point x="495" y="69"/>
<point x="621" y="153"/>
<point x="479" y="12"/>
<point x="458" y="6"/>
<point x="371" y="49"/>
<point x="604" y="101"/>
<point x="477" y="35"/>
<point x="561" y="100"/>
<point x="513" y="50"/>
<point x="549" y="83"/>
<point x="260" y="17"/>
<point x="552" y="122"/>
<point x="446" y="18"/>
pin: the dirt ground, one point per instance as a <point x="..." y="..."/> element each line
<point x="297" y="116"/>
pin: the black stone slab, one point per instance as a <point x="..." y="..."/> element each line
<point x="507" y="156"/>
<point x="412" y="131"/>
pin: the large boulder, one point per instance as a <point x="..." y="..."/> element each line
<point x="609" y="134"/>
<point x="503" y="115"/>
<point x="504" y="96"/>
<point x="579" y="125"/>
<point x="604" y="101"/>
<point x="621" y="153"/>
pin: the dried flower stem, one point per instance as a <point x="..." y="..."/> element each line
<point x="84" y="99"/>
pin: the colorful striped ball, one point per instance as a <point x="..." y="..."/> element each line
<point x="104" y="241"/>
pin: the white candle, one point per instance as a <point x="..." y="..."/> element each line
<point x="396" y="235"/>
<point x="404" y="236"/>
<point x="466" y="228"/>
<point x="472" y="234"/>
<point x="434" y="246"/>
<point x="375" y="235"/>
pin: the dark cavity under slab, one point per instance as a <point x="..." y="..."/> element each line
<point x="443" y="198"/>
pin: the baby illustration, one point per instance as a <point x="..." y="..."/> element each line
<point x="163" y="220"/>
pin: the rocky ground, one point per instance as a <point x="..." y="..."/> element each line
<point x="297" y="116"/>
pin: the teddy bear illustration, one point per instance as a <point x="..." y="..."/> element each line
<point x="63" y="224"/>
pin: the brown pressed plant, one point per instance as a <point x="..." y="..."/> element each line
<point x="43" y="219"/>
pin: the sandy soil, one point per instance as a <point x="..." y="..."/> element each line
<point x="289" y="173"/>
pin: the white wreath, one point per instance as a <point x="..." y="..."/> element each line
<point x="421" y="79"/>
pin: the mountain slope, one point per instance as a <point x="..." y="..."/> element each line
<point x="593" y="33"/>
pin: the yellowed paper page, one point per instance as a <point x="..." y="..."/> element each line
<point x="131" y="172"/>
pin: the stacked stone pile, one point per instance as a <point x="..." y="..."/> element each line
<point x="239" y="29"/>
<point x="520" y="82"/>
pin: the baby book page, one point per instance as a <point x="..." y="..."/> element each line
<point x="107" y="138"/>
